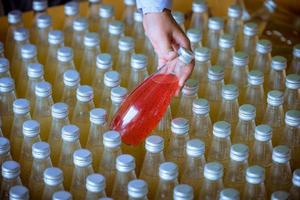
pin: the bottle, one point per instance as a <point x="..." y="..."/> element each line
<point x="71" y="10"/>
<point x="1" y="50"/>
<point x="277" y="73"/>
<point x="18" y="192"/>
<point x="62" y="195"/>
<point x="59" y="114"/>
<point x="274" y="115"/>
<point x="179" y="18"/>
<point x="106" y="13"/>
<point x="10" y="171"/>
<point x="154" y="156"/>
<point x="111" y="80"/>
<point x="103" y="65"/>
<point x="4" y="151"/>
<point x="291" y="93"/>
<point x="125" y="166"/>
<point x="180" y="135"/>
<point x="107" y="167"/>
<point x="44" y="26"/>
<point x="262" y="59"/>
<point x="84" y="96"/>
<point x="295" y="189"/>
<point x="115" y="30"/>
<point x="296" y="61"/>
<point x="255" y="187"/>
<point x="91" y="50"/>
<point x="193" y="166"/>
<point x="95" y="186"/>
<point x="117" y="96"/>
<point x="92" y="15"/>
<point x="199" y="16"/>
<point x="39" y="8"/>
<point x="128" y="15"/>
<point x="137" y="190"/>
<point x="98" y="125"/>
<point x="149" y="112"/>
<point x="213" y="184"/>
<point x="244" y="131"/>
<point x="4" y="68"/>
<point x="41" y="161"/>
<point x="220" y="144"/>
<point x="194" y="35"/>
<point x="7" y="97"/>
<point x="70" y="138"/>
<point x="229" y="194"/>
<point x="215" y="30"/>
<point x="261" y="152"/>
<point x="234" y="22"/>
<point x="163" y="128"/>
<point x="138" y="32"/>
<point x="168" y="179"/>
<point x="280" y="195"/>
<point x="126" y="49"/>
<point x="254" y="93"/>
<point x="249" y="40"/>
<point x="183" y="191"/>
<point x="138" y="71"/>
<point x="53" y="182"/>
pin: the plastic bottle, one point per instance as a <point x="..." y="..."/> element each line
<point x="111" y="80"/>
<point x="277" y="74"/>
<point x="59" y="113"/>
<point x="128" y="15"/>
<point x="106" y="13"/>
<point x="295" y="189"/>
<point x="115" y="30"/>
<point x="126" y="49"/>
<point x="41" y="161"/>
<point x="215" y="30"/>
<point x="92" y="15"/>
<point x="249" y="40"/>
<point x="18" y="192"/>
<point x="213" y="184"/>
<point x="4" y="151"/>
<point x="62" y="195"/>
<point x="262" y="59"/>
<point x="95" y="187"/>
<point x="179" y="18"/>
<point x="194" y="35"/>
<point x="138" y="32"/>
<point x="229" y="194"/>
<point x="39" y="8"/>
<point x="292" y="92"/>
<point x="168" y="173"/>
<point x="137" y="190"/>
<point x="234" y="22"/>
<point x="280" y="195"/>
<point x="84" y="104"/>
<point x="296" y="60"/>
<point x="117" y="96"/>
<point x="44" y="26"/>
<point x="183" y="191"/>
<point x="71" y="10"/>
<point x="138" y="72"/>
<point x="200" y="15"/>
<point x="4" y="68"/>
<point x="163" y="129"/>
<point x="53" y="182"/>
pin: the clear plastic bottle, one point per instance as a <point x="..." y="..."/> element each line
<point x="4" y="68"/>
<point x="295" y="189"/>
<point x="200" y="15"/>
<point x="183" y="191"/>
<point x="4" y="151"/>
<point x="194" y="35"/>
<point x="62" y="195"/>
<point x="115" y="31"/>
<point x="215" y="30"/>
<point x="39" y="8"/>
<point x="220" y="144"/>
<point x="276" y="78"/>
<point x="92" y="15"/>
<point x="255" y="187"/>
<point x="98" y="125"/>
<point x="106" y="13"/>
<point x="179" y="18"/>
<point x="137" y="190"/>
<point x="292" y="92"/>
<point x="53" y="182"/>
<point x="138" y="32"/>
<point x="95" y="186"/>
<point x="111" y="80"/>
<point x="262" y="59"/>
<point x="126" y="49"/>
<point x="234" y="23"/>
<point x="18" y="192"/>
<point x="41" y="161"/>
<point x="81" y="113"/>
<point x="71" y="10"/>
<point x="213" y="184"/>
<point x="128" y="15"/>
<point x="125" y="172"/>
<point x="280" y="195"/>
<point x="249" y="40"/>
<point x="44" y="26"/>
<point x="59" y="113"/>
<point x="138" y="70"/>
<point x="229" y="194"/>
<point x="117" y="96"/>
<point x="296" y="60"/>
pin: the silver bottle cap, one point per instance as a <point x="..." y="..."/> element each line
<point x="292" y="81"/>
<point x="263" y="133"/>
<point x="14" y="17"/>
<point x="200" y="106"/>
<point x="185" y="55"/>
<point x="226" y="41"/>
<point x="255" y="174"/>
<point x="105" y="198"/>
<point x="112" y="79"/>
<point x="215" y="73"/>
<point x="296" y="177"/>
<point x="55" y="37"/>
<point x="247" y="112"/>
<point x="35" y="70"/>
<point x="53" y="176"/>
<point x="178" y="17"/>
<point x="21" y="34"/>
<point x="65" y="54"/>
<point x="28" y="51"/>
<point x="94" y="1"/>
<point x="80" y="24"/>
<point x="292" y="118"/>
<point x="95" y="183"/>
<point x="264" y="46"/>
<point x="194" y="35"/>
<point x="190" y="87"/>
<point x="240" y="59"/>
<point x="275" y="98"/>
<point x="10" y="169"/>
<point x="43" y="89"/>
<point x="215" y="23"/>
<point x="71" y="78"/>
<point x="234" y="11"/>
<point x="4" y="145"/>
<point x="116" y="27"/>
<point x="296" y="51"/>
<point x="199" y="6"/>
<point x="195" y="148"/>
<point x="255" y="77"/>
<point x="118" y="94"/>
<point x="270" y="5"/>
<point x="44" y="21"/>
<point x="125" y="163"/>
<point x="138" y="16"/>
<point x="280" y="195"/>
<point x="278" y="63"/>
<point x="202" y="54"/>
<point x="40" y="150"/>
<point x="138" y="61"/>
<point x="39" y="5"/>
<point x="221" y="129"/>
<point x="111" y="139"/>
<point x="183" y="192"/>
<point x="281" y="154"/>
<point x="229" y="194"/>
<point x="230" y="92"/>
<point x="168" y="171"/>
<point x="6" y="84"/>
<point x="62" y="195"/>
<point x="154" y="144"/>
<point x="82" y="158"/>
<point x="21" y="106"/>
<point x="137" y="188"/>
<point x="106" y="11"/>
<point x="126" y="43"/>
<point x="70" y="133"/>
<point x="213" y="171"/>
<point x="18" y="192"/>
<point x="1" y="48"/>
<point x="84" y="93"/>
<point x="180" y="126"/>
<point x="104" y="61"/>
<point x="59" y="110"/>
<point x="250" y="29"/>
<point x="98" y="116"/>
<point x="129" y="2"/>
<point x="91" y="40"/>
<point x="239" y="152"/>
<point x="31" y="128"/>
<point x="71" y="8"/>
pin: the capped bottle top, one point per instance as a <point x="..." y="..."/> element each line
<point x="116" y="27"/>
<point x="137" y="188"/>
<point x="221" y="129"/>
<point x="21" y="34"/>
<point x="126" y="43"/>
<point x="200" y="106"/>
<point x="39" y="5"/>
<point x="190" y="87"/>
<point x="178" y="17"/>
<point x="95" y="183"/>
<point x="84" y="93"/>
<point x="263" y="132"/>
<point x="226" y="41"/>
<point x="71" y="78"/>
<point x="296" y="177"/>
<point x="281" y="154"/>
<point x="7" y="84"/>
<point x="14" y="17"/>
<point x="4" y="145"/>
<point x="180" y="126"/>
<point x="215" y="73"/>
<point x="59" y="110"/>
<point x="31" y="128"/>
<point x="255" y="174"/>
<point x="213" y="171"/>
<point x="55" y="37"/>
<point x="199" y="6"/>
<point x="35" y="70"/>
<point x="280" y="195"/>
<point x="40" y="150"/>
<point x="270" y="5"/>
<point x="278" y="63"/>
<point x="247" y="112"/>
<point x="230" y="92"/>
<point x="229" y="194"/>
<point x="255" y="77"/>
<point x="250" y="29"/>
<point x="71" y="8"/>
<point x="111" y="139"/>
<point x="154" y="144"/>
<point x="125" y="163"/>
<point x="292" y="118"/>
<point x="264" y="46"/>
<point x="111" y="79"/>
<point x="118" y="94"/>
<point x="94" y="1"/>
<point x="21" y="106"/>
<point x="65" y="54"/>
<point x="53" y="176"/>
<point x="80" y="24"/>
<point x="43" y="89"/>
<point x="106" y="11"/>
<point x="292" y="81"/>
<point x="215" y="23"/>
<point x="98" y="116"/>
<point x="28" y="51"/>
<point x="275" y="98"/>
<point x="183" y="192"/>
<point x="18" y="192"/>
<point x="168" y="171"/>
<point x="240" y="59"/>
<point x="10" y="169"/>
<point x="185" y="55"/>
<point x="82" y="158"/>
<point x="138" y="61"/>
<point x="202" y="54"/>
<point x="296" y="50"/>
<point x="44" y="21"/>
<point x="105" y="198"/>
<point x="138" y="16"/>
<point x="234" y="11"/>
<point x="194" y="35"/>
<point x="70" y="133"/>
<point x="91" y="39"/>
<point x="104" y="61"/>
<point x="62" y="195"/>
<point x="239" y="152"/>
<point x="195" y="148"/>
<point x="129" y="2"/>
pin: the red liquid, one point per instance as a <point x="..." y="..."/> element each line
<point x="144" y="107"/>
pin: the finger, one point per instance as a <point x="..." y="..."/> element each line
<point x="186" y="73"/>
<point x="181" y="39"/>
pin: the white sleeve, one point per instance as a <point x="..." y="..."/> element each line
<point x="150" y="6"/>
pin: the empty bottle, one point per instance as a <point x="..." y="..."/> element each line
<point x="115" y="30"/>
<point x="179" y="18"/>
<point x="71" y="10"/>
<point x="4" y="68"/>
<point x="138" y="32"/>
<point x="215" y="30"/>
<point x="183" y="191"/>
<point x="106" y="13"/>
<point x="18" y="192"/>
<point x="277" y="73"/>
<point x="111" y="80"/>
<point x="92" y="15"/>
<point x="239" y="73"/>
<point x="229" y="194"/>
<point x="295" y="189"/>
<point x="126" y="49"/>
<point x="95" y="187"/>
<point x="291" y="93"/>
<point x="128" y="15"/>
<point x="200" y="15"/>
<point x="117" y="96"/>
<point x="262" y="59"/>
<point x="53" y="182"/>
<point x="62" y="195"/>
<point x="137" y="190"/>
<point x="4" y="151"/>
<point x="194" y="35"/>
<point x="39" y="8"/>
<point x="234" y="23"/>
<point x="138" y="70"/>
<point x="280" y="195"/>
<point x="44" y="26"/>
<point x="249" y="40"/>
<point x="296" y="60"/>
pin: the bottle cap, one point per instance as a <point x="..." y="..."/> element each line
<point x="6" y="84"/>
<point x="94" y="1"/>
<point x="264" y="46"/>
<point x="71" y="78"/>
<point x="199" y="6"/>
<point x="4" y="63"/>
<point x="178" y="17"/>
<point x="104" y="61"/>
<point x="221" y="129"/>
<point x="215" y="23"/>
<point x="250" y="29"/>
<point x="180" y="126"/>
<point x="18" y="192"/>
<point x="84" y="93"/>
<point x="71" y="8"/>
<point x="275" y="98"/>
<point x="292" y="81"/>
<point x="195" y="148"/>
<point x="111" y="139"/>
<point x="202" y="54"/>
<point x="263" y="132"/>
<point x="215" y="73"/>
<point x="95" y="183"/>
<point x="139" y="61"/>
<point x="129" y="2"/>
<point x="10" y="169"/>
<point x="239" y="152"/>
<point x="60" y="110"/>
<point x="226" y="41"/>
<point x="278" y="63"/>
<point x="111" y="79"/>
<point x="126" y="43"/>
<point x="137" y="188"/>
<point x="44" y="21"/>
<point x="106" y="11"/>
<point x="213" y="171"/>
<point x="116" y="27"/>
<point x="62" y="195"/>
<point x="154" y="144"/>
<point x="200" y="106"/>
<point x="70" y="133"/>
<point x="14" y="17"/>
<point x="292" y="118"/>
<point x="39" y="5"/>
<point x="168" y="171"/>
<point x="53" y="176"/>
<point x="229" y="194"/>
<point x="21" y="34"/>
<point x="65" y="54"/>
<point x="28" y="51"/>
<point x="230" y="92"/>
<point x="247" y="112"/>
<point x="35" y="70"/>
<point x="183" y="192"/>
<point x="185" y="55"/>
<point x="255" y="77"/>
<point x="118" y="94"/>
<point x="255" y="174"/>
<point x="281" y="154"/>
<point x="240" y="59"/>
<point x="234" y="11"/>
<point x="80" y="24"/>
<point x="105" y="198"/>
<point x="4" y="145"/>
<point x="190" y="87"/>
<point x="82" y="158"/>
<point x="280" y="195"/>
<point x="40" y="150"/>
<point x="296" y="50"/>
<point x="138" y="16"/>
<point x="270" y="5"/>
<point x="21" y="106"/>
<point x="31" y="128"/>
<point x="296" y="177"/>
<point x="125" y="163"/>
<point x="43" y="89"/>
<point x="55" y="37"/>
<point x="194" y="35"/>
<point x="91" y="40"/>
<point x="98" y="116"/>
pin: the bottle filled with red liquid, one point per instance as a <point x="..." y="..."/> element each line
<point x="142" y="110"/>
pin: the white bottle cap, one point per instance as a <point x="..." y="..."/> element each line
<point x="180" y="126"/>
<point x="296" y="177"/>
<point x="255" y="77"/>
<point x="65" y="54"/>
<point x="18" y="192"/>
<point x="4" y="145"/>
<point x="280" y="195"/>
<point x="71" y="8"/>
<point x="70" y="133"/>
<point x="98" y="116"/>
<point x="71" y="78"/>
<point x="190" y="87"/>
<point x="185" y="55"/>
<point x="255" y="174"/>
<point x="215" y="73"/>
<point x="195" y="148"/>
<point x="183" y="192"/>
<point x="4" y="64"/>
<point x="35" y="70"/>
<point x="95" y="183"/>
<point x="62" y="195"/>
<point x="281" y="154"/>
<point x="194" y="35"/>
<point x="43" y="89"/>
<point x="239" y="152"/>
<point x="10" y="169"/>
<point x="199" y="6"/>
<point x="137" y="188"/>
<point x="215" y="23"/>
<point x="292" y="118"/>
<point x="229" y="194"/>
<point x="292" y="81"/>
<point x="275" y="98"/>
<point x="234" y="11"/>
<point x="138" y="61"/>
<point x="250" y="29"/>
<point x="126" y="43"/>
<point x="84" y="93"/>
<point x="28" y="51"/>
<point x="91" y="40"/>
<point x="31" y="128"/>
<point x="80" y="24"/>
<point x="44" y="21"/>
<point x="178" y="17"/>
<point x="213" y="171"/>
<point x="202" y="54"/>
<point x="240" y="59"/>
<point x="59" y="110"/>
<point x="21" y="34"/>
<point x="278" y="63"/>
<point x="21" y="106"/>
<point x="168" y="171"/>
<point x="129" y="2"/>
<point x="230" y="92"/>
<point x="226" y="41"/>
<point x="264" y="46"/>
<point x="106" y="11"/>
<point x="154" y="144"/>
<point x="82" y="158"/>
<point x="14" y="17"/>
<point x="53" y="176"/>
<point x="138" y="16"/>
<point x="104" y="61"/>
<point x="6" y="84"/>
<point x="55" y="37"/>
<point x="118" y="94"/>
<point x="200" y="106"/>
<point x="296" y="50"/>
<point x="116" y="27"/>
<point x="125" y="163"/>
<point x="111" y="79"/>
<point x="221" y="129"/>
<point x="247" y="112"/>
<point x="40" y="150"/>
<point x="39" y="5"/>
<point x="263" y="133"/>
<point x="111" y="139"/>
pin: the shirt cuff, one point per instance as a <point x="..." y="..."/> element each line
<point x="153" y="6"/>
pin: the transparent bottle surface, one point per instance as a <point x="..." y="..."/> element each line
<point x="277" y="74"/>
<point x="92" y="15"/>
<point x="215" y="26"/>
<point x="292" y="92"/>
<point x="200" y="16"/>
<point x="53" y="182"/>
<point x="296" y="60"/>
<point x="71" y="11"/>
<point x="106" y="13"/>
<point x="163" y="127"/>
<point x="234" y="21"/>
<point x="295" y="189"/>
<point x="128" y="16"/>
<point x="35" y="75"/>
<point x="138" y="32"/>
